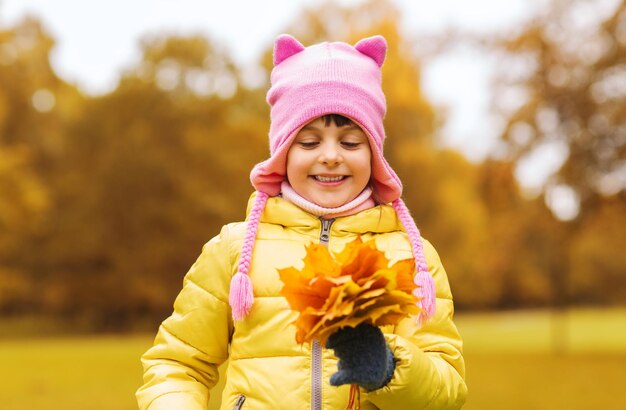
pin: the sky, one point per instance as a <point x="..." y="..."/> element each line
<point x="96" y="40"/>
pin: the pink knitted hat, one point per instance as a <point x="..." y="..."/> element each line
<point x="306" y="83"/>
<point x="326" y="78"/>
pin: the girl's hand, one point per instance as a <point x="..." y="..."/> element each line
<point x="364" y="357"/>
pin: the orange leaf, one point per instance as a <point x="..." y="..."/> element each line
<point x="319" y="262"/>
<point x="357" y="286"/>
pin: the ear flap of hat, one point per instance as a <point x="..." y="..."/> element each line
<point x="374" y="47"/>
<point x="285" y="46"/>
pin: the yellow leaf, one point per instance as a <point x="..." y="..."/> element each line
<point x="357" y="287"/>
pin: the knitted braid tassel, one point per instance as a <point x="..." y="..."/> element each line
<point x="425" y="291"/>
<point x="241" y="295"/>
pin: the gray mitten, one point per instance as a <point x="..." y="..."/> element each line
<point x="364" y="357"/>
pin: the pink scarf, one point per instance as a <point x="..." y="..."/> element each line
<point x="362" y="202"/>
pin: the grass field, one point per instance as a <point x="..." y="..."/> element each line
<point x="543" y="360"/>
<point x="513" y="362"/>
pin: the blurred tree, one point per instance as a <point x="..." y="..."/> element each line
<point x="23" y="204"/>
<point x="566" y="73"/>
<point x="526" y="250"/>
<point x="597" y="255"/>
<point x="35" y="105"/>
<point x="451" y="213"/>
<point x="162" y="162"/>
<point x="560" y="90"/>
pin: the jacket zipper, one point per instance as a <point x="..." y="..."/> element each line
<point x="239" y="402"/>
<point x="325" y="234"/>
<point x="316" y="349"/>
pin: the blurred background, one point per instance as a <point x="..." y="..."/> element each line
<point x="128" y="130"/>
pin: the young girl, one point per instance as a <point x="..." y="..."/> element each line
<point x="326" y="181"/>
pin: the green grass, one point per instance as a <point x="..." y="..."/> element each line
<point x="545" y="360"/>
<point x="579" y="331"/>
<point x="543" y="381"/>
<point x="71" y="373"/>
<point x="513" y="362"/>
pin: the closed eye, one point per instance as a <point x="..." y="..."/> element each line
<point x="351" y="145"/>
<point x="308" y="144"/>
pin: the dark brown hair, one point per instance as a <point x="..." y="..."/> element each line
<point x="337" y="119"/>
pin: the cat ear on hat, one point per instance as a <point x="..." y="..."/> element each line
<point x="374" y="47"/>
<point x="284" y="47"/>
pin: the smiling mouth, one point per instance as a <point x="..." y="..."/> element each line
<point x="329" y="179"/>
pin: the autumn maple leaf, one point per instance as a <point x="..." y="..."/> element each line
<point x="354" y="287"/>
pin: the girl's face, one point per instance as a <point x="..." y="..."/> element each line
<point x="329" y="165"/>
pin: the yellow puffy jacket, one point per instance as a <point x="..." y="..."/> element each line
<point x="267" y="369"/>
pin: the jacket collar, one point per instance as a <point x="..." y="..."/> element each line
<point x="379" y="219"/>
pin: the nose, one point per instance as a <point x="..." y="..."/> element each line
<point x="330" y="154"/>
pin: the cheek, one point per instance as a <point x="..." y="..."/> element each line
<point x="294" y="165"/>
<point x="365" y="166"/>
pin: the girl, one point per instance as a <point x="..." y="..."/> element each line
<point x="326" y="181"/>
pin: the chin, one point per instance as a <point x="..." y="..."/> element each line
<point x="330" y="204"/>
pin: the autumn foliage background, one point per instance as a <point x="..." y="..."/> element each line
<point x="105" y="201"/>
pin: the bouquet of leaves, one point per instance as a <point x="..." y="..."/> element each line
<point x="355" y="286"/>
